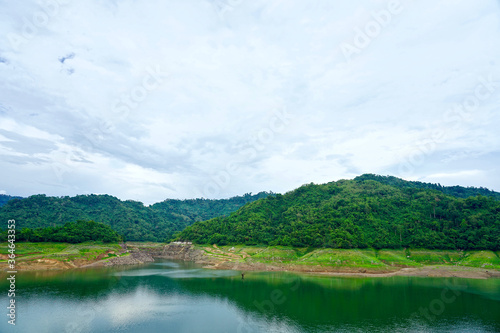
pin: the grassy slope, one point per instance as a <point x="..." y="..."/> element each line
<point x="355" y="258"/>
<point x="60" y="251"/>
<point x="333" y="258"/>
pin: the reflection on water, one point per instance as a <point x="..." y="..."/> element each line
<point x="172" y="296"/>
<point x="192" y="273"/>
<point x="167" y="264"/>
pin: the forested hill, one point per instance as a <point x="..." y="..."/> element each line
<point x="129" y="218"/>
<point x="456" y="191"/>
<point x="202" y="209"/>
<point x="368" y="211"/>
<point x="71" y="232"/>
<point x="4" y="198"/>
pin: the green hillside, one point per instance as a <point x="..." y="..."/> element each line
<point x="131" y="219"/>
<point x="456" y="191"/>
<point x="369" y="211"/>
<point x="194" y="210"/>
<point x="5" y="198"/>
<point x="70" y="232"/>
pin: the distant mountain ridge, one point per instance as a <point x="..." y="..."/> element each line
<point x="5" y="198"/>
<point x="346" y="213"/>
<point x="129" y="218"/>
<point x="456" y="191"/>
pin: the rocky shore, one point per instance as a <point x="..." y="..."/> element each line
<point x="134" y="258"/>
<point x="187" y="252"/>
<point x="215" y="258"/>
<point x="135" y="255"/>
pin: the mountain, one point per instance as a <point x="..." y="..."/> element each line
<point x="456" y="191"/>
<point x="70" y="232"/>
<point x="368" y="211"/>
<point x="129" y="218"/>
<point x="5" y="198"/>
<point x="194" y="210"/>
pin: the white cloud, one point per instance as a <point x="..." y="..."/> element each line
<point x="464" y="173"/>
<point x="220" y="74"/>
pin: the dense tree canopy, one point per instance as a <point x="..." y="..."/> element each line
<point x="194" y="210"/>
<point x="369" y="211"/>
<point x="456" y="191"/>
<point x="131" y="219"/>
<point x="71" y="232"/>
<point x="5" y="198"/>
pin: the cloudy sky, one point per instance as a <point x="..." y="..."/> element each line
<point x="149" y="100"/>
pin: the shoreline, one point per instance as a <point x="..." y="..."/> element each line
<point x="425" y="271"/>
<point x="213" y="257"/>
<point x="436" y="271"/>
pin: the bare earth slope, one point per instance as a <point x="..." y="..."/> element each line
<point x="334" y="262"/>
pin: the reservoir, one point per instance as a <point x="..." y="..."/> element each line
<point x="173" y="296"/>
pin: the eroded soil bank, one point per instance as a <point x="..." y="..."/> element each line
<point x="256" y="259"/>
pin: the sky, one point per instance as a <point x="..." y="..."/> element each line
<point x="149" y="100"/>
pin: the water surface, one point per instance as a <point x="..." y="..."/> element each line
<point x="170" y="296"/>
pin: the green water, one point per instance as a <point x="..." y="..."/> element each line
<point x="182" y="297"/>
